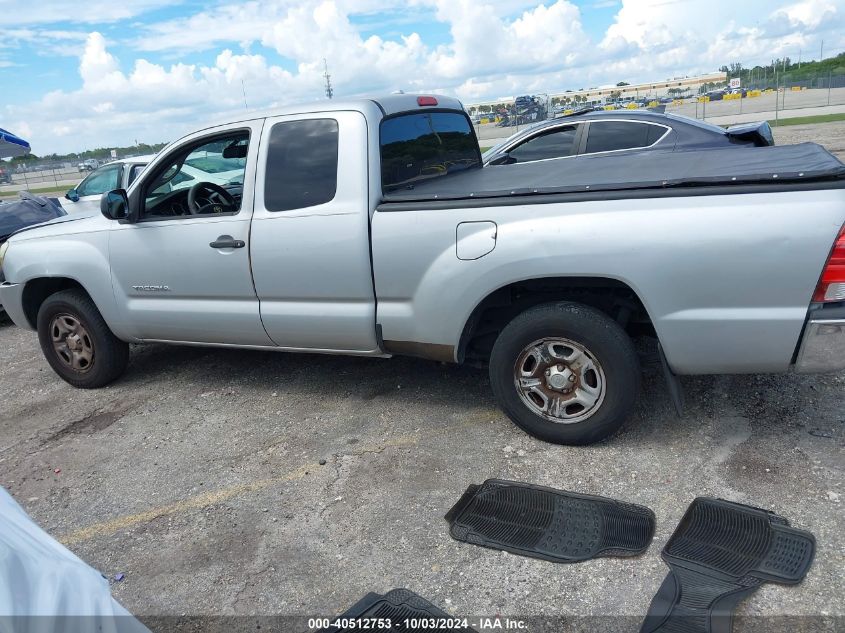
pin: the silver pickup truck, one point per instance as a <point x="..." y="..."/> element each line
<point x="371" y="228"/>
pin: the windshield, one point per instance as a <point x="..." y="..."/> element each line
<point x="423" y="145"/>
<point x="215" y="163"/>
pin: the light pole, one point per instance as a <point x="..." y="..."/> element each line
<point x="329" y="89"/>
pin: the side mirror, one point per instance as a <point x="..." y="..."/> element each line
<point x="72" y="195"/>
<point x="115" y="205"/>
<point x="502" y="159"/>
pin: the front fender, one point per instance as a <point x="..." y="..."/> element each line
<point x="80" y="257"/>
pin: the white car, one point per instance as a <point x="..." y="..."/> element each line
<point x="205" y="167"/>
<point x="89" y="164"/>
<point x="116" y="175"/>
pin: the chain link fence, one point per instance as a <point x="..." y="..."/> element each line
<point x="42" y="175"/>
<point x="762" y="95"/>
<point x="771" y="97"/>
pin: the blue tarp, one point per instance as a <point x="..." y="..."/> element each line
<point x="27" y="211"/>
<point x="11" y="145"/>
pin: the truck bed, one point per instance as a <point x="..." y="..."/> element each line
<point x="676" y="172"/>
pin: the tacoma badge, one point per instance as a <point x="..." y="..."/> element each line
<point x="151" y="288"/>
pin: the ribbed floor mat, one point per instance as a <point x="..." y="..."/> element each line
<point x="559" y="526"/>
<point x="398" y="611"/>
<point x="720" y="553"/>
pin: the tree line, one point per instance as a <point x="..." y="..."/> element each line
<point x="785" y="70"/>
<point x="101" y="153"/>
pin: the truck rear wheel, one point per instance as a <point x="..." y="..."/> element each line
<point x="565" y="373"/>
<point x="77" y="343"/>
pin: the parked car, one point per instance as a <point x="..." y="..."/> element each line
<point x="333" y="240"/>
<point x="89" y="164"/>
<point x="586" y="133"/>
<point x="27" y="211"/>
<point x="5" y="175"/>
<point x="85" y="197"/>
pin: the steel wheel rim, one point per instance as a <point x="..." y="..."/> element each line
<point x="559" y="380"/>
<point x="72" y="344"/>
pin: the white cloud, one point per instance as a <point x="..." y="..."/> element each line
<point x="540" y="39"/>
<point x="28" y="12"/>
<point x="810" y="13"/>
<point x="150" y="102"/>
<point x="683" y="36"/>
<point x="494" y="48"/>
<point x="46" y="42"/>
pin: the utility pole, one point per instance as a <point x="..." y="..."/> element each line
<point x="821" y="52"/>
<point x="329" y="90"/>
<point x="243" y="89"/>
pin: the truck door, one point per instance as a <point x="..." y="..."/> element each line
<point x="310" y="233"/>
<point x="182" y="272"/>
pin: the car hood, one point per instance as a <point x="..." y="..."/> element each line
<point x="77" y="223"/>
<point x="82" y="208"/>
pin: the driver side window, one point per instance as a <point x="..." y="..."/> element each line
<point x="203" y="179"/>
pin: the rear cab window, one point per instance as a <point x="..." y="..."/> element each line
<point x="302" y="162"/>
<point x="419" y="146"/>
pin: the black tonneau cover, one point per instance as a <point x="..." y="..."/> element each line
<point x="633" y="170"/>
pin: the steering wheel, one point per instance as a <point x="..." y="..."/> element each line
<point x="197" y="204"/>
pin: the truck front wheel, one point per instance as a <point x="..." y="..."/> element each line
<point x="565" y="373"/>
<point x="77" y="343"/>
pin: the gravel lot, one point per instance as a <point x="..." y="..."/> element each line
<point x="199" y="476"/>
<point x="831" y="135"/>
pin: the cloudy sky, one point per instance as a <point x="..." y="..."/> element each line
<point x="78" y="75"/>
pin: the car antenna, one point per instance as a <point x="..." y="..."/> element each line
<point x="243" y="88"/>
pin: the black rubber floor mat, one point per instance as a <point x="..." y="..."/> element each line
<point x="555" y="525"/>
<point x="398" y="611"/>
<point x="719" y="554"/>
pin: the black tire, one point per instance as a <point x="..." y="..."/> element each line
<point x="109" y="355"/>
<point x="604" y="340"/>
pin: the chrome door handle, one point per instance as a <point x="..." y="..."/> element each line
<point x="227" y="241"/>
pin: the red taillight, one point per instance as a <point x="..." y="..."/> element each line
<point x="832" y="284"/>
<point x="426" y="101"/>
